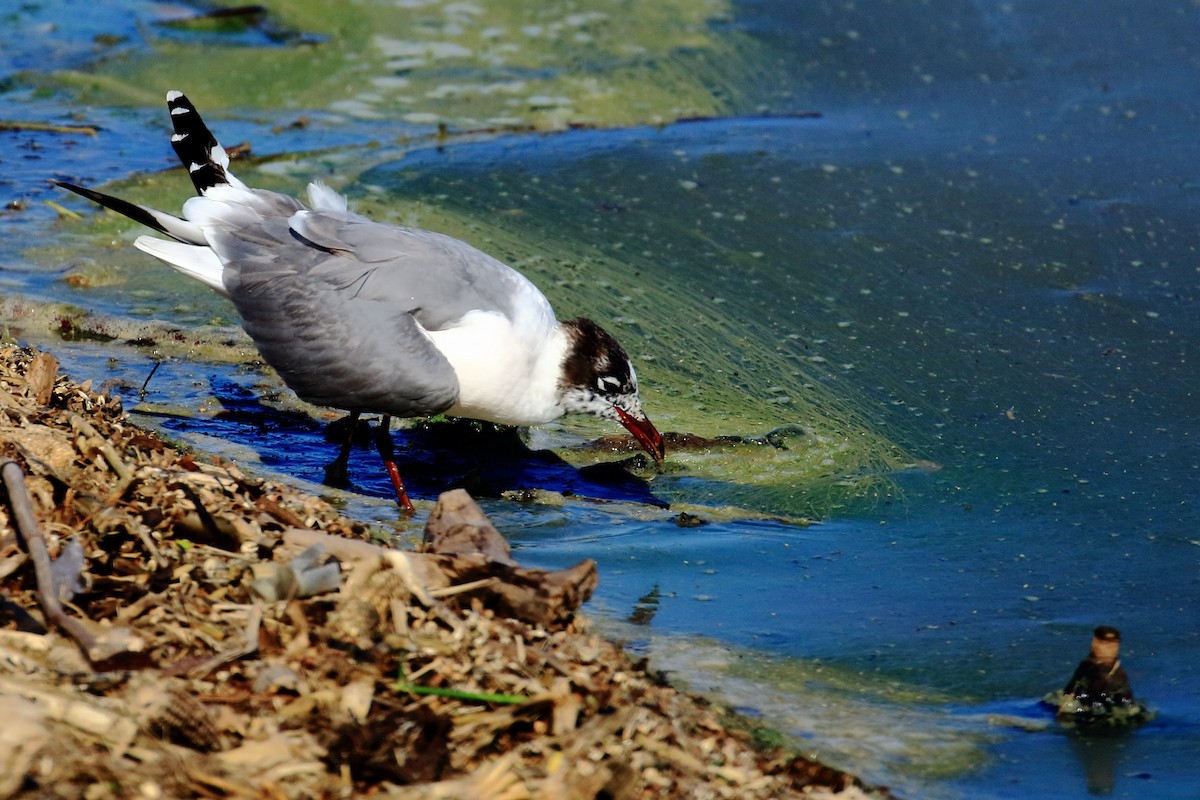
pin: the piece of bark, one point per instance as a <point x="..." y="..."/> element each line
<point x="537" y="596"/>
<point x="542" y="597"/>
<point x="40" y="375"/>
<point x="458" y="526"/>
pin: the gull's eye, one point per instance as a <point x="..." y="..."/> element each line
<point x="607" y="383"/>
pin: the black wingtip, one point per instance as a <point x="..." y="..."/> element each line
<point x="131" y="210"/>
<point x="197" y="148"/>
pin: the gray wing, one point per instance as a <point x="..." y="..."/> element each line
<point x="436" y="277"/>
<point x="336" y="303"/>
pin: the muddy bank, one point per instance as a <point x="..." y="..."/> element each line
<point x="173" y="627"/>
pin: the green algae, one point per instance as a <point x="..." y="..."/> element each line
<point x="870" y="723"/>
<point x="1101" y="717"/>
<point x="45" y="321"/>
<point x="457" y="63"/>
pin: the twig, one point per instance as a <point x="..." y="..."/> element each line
<point x="101" y="444"/>
<point x="470" y="586"/>
<point x="280" y="513"/>
<point x="208" y="524"/>
<point x="140" y="606"/>
<point x="62" y="211"/>
<point x="29" y="534"/>
<point x="208" y="780"/>
<point x="46" y="127"/>
<point x="456" y="694"/>
<point x="147" y="540"/>
<point x="145" y="383"/>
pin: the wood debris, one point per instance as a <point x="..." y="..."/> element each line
<point x="172" y="627"/>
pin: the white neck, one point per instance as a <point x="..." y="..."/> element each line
<point x="512" y="379"/>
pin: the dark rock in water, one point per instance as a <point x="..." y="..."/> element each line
<point x="1098" y="697"/>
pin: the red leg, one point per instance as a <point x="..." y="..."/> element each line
<point x="383" y="443"/>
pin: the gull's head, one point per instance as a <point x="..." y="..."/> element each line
<point x="598" y="379"/>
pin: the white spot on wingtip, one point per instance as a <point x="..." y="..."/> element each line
<point x="174" y="95"/>
<point x="178" y="137"/>
<point x="180" y="110"/>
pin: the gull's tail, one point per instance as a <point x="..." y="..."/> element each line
<point x="178" y="229"/>
<point x="207" y="164"/>
<point x="199" y="151"/>
<point x="222" y="202"/>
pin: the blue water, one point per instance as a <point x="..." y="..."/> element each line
<point x="993" y="219"/>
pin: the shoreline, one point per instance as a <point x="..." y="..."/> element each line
<point x="220" y="653"/>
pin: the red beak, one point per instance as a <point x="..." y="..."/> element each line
<point x="644" y="431"/>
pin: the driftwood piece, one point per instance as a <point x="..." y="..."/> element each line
<point x="475" y="561"/>
<point x="85" y="714"/>
<point x="538" y="596"/>
<point x="43" y="369"/>
<point x="23" y="736"/>
<point x="473" y="550"/>
<point x="458" y="526"/>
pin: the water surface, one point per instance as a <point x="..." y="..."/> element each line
<point x="959" y="235"/>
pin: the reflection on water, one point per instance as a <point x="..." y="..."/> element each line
<point x="1100" y="759"/>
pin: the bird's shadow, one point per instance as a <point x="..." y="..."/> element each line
<point x="433" y="457"/>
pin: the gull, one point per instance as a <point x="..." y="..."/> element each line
<point x="372" y="318"/>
